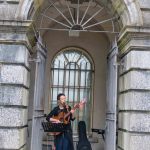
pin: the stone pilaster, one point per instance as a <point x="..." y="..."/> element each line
<point x="134" y="89"/>
<point x="14" y="84"/>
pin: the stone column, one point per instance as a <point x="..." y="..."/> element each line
<point x="14" y="84"/>
<point x="134" y="89"/>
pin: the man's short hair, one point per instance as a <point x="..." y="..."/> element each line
<point x="59" y="95"/>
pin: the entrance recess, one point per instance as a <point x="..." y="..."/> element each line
<point x="84" y="16"/>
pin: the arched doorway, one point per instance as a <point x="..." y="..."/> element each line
<point x="97" y="41"/>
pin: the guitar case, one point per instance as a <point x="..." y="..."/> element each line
<point x="83" y="143"/>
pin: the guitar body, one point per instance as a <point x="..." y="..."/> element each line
<point x="61" y="118"/>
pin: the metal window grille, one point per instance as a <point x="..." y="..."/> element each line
<point x="72" y="74"/>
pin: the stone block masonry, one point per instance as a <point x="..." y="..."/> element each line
<point x="14" y="86"/>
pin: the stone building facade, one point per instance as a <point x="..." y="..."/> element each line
<point x="24" y="62"/>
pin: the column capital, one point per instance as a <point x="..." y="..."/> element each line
<point x="17" y="32"/>
<point x="14" y="25"/>
<point x="134" y="37"/>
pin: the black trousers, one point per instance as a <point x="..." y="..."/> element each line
<point x="64" y="141"/>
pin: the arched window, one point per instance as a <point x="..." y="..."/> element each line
<point x="72" y="74"/>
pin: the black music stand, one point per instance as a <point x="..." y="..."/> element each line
<point x="51" y="128"/>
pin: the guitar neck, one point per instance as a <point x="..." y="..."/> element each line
<point x="74" y="108"/>
<point x="69" y="113"/>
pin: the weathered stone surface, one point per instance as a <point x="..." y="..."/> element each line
<point x="135" y="80"/>
<point x="10" y="13"/>
<point x="144" y="3"/>
<point x="13" y="36"/>
<point x="13" y="117"/>
<point x="123" y="140"/>
<point x="134" y="41"/>
<point x="137" y="122"/>
<point x="10" y="0"/>
<point x="12" y="138"/>
<point x="12" y="95"/>
<point x="14" y="74"/>
<point x="14" y="54"/>
<point x="135" y="59"/>
<point x="140" y="142"/>
<point x="130" y="141"/>
<point x="134" y="101"/>
<point x="146" y="19"/>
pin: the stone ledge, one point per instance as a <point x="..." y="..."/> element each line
<point x="15" y="23"/>
<point x="132" y="37"/>
<point x="9" y="37"/>
<point x="133" y="31"/>
<point x="135" y="43"/>
<point x="13" y="1"/>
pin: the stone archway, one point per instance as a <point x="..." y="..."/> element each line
<point x="128" y="10"/>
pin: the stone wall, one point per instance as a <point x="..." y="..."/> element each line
<point x="134" y="90"/>
<point x="14" y="86"/>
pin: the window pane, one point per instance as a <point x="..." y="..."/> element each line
<point x="55" y="77"/>
<point x="72" y="55"/>
<point x="58" y="76"/>
<point x="59" y="62"/>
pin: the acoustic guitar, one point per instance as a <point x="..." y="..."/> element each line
<point x="65" y="117"/>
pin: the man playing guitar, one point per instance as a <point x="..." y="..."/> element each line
<point x="62" y="114"/>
